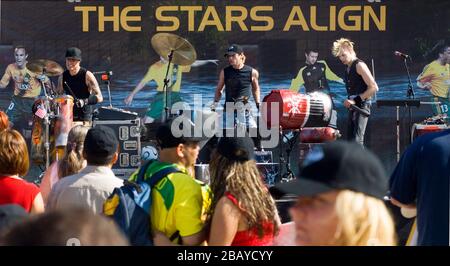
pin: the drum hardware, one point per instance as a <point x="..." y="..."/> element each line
<point x="45" y="68"/>
<point x="397" y="104"/>
<point x="177" y="51"/>
<point x="288" y="175"/>
<point x="105" y="77"/>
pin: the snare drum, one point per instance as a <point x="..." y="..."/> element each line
<point x="421" y="129"/>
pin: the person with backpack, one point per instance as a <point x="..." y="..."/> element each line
<point x="93" y="185"/>
<point x="178" y="202"/>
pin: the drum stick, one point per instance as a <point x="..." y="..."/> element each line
<point x="71" y="91"/>
<point x="359" y="110"/>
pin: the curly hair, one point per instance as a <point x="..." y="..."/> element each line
<point x="243" y="181"/>
<point x="73" y="159"/>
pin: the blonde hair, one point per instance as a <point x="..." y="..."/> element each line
<point x="244" y="182"/>
<point x="363" y="221"/>
<point x="73" y="159"/>
<point x="342" y="43"/>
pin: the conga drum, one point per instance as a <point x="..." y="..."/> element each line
<point x="63" y="122"/>
<point x="297" y="110"/>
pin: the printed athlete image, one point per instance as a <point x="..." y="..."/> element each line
<point x="156" y="72"/>
<point x="314" y="76"/>
<point x="27" y="87"/>
<point x="435" y="77"/>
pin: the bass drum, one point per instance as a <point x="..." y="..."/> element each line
<point x="294" y="110"/>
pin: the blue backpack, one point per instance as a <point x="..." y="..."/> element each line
<point x="129" y="205"/>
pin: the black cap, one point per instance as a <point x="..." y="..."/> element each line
<point x="239" y="149"/>
<point x="11" y="214"/>
<point x="101" y="141"/>
<point x="234" y="49"/>
<point x="338" y="165"/>
<point x="177" y="131"/>
<point x="73" y="52"/>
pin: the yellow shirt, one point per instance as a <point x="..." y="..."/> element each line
<point x="298" y="82"/>
<point x="25" y="82"/>
<point x="438" y="76"/>
<point x="179" y="202"/>
<point x="157" y="72"/>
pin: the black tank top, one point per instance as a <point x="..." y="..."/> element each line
<point x="353" y="81"/>
<point x="79" y="87"/>
<point x="238" y="83"/>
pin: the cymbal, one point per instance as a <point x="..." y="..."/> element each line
<point x="51" y="67"/>
<point x="183" y="52"/>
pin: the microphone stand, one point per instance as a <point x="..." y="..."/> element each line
<point x="108" y="82"/>
<point x="410" y="95"/>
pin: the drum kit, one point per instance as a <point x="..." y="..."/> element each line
<point x="51" y="113"/>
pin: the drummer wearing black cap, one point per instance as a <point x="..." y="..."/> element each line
<point x="340" y="198"/>
<point x="240" y="81"/>
<point x="80" y="84"/>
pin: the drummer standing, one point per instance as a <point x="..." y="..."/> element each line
<point x="26" y="87"/>
<point x="360" y="85"/>
<point x="82" y="85"/>
<point x="239" y="81"/>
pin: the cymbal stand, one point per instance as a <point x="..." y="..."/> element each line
<point x="409" y="94"/>
<point x="288" y="175"/>
<point x="166" y="90"/>
<point x="46" y="120"/>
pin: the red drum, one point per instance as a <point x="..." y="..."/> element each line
<point x="64" y="118"/>
<point x="318" y="134"/>
<point x="297" y="110"/>
<point x="421" y="129"/>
